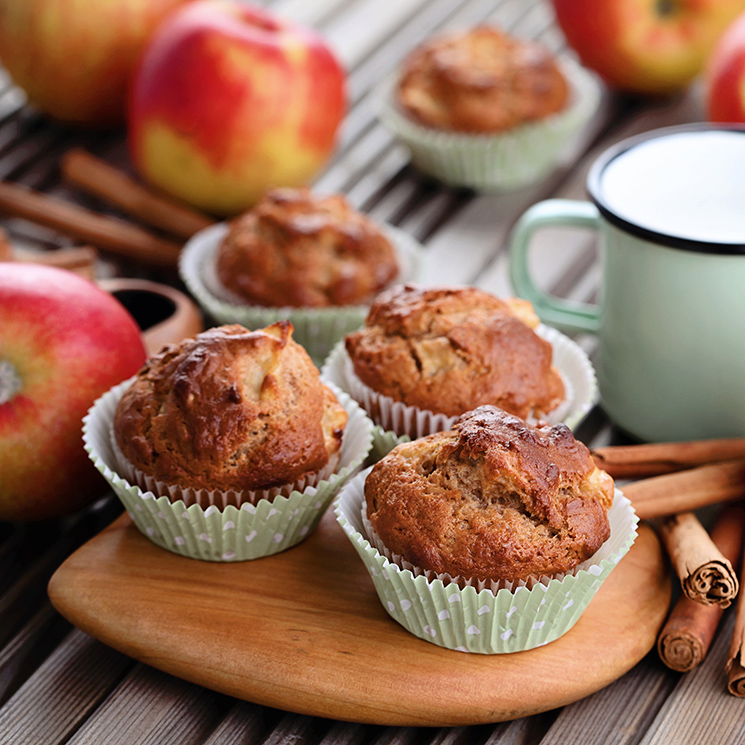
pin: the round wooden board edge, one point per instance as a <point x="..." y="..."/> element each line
<point x="353" y="708"/>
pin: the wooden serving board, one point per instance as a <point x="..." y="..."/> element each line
<point x="304" y="631"/>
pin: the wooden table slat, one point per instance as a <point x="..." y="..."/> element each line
<point x="345" y="733"/>
<point x="379" y="18"/>
<point x="60" y="696"/>
<point x="150" y="707"/>
<point x="244" y="723"/>
<point x="615" y="715"/>
<point x="700" y="706"/>
<point x="298" y="729"/>
<point x="29" y="647"/>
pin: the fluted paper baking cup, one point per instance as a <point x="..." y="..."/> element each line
<point x="232" y="533"/>
<point x="396" y="422"/>
<point x="316" y="329"/>
<point x="493" y="162"/>
<point x="470" y="619"/>
<point x="213" y="497"/>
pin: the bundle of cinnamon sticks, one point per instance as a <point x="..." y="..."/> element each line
<point x="677" y="478"/>
<point x="106" y="232"/>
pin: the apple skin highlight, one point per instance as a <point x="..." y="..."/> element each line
<point x="725" y="77"/>
<point x="645" y="46"/>
<point x="64" y="342"/>
<point x="74" y="59"/>
<point x="229" y="101"/>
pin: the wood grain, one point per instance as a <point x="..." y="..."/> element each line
<point x="304" y="631"/>
<point x="149" y="706"/>
<point x="103" y="180"/>
<point x="75" y="679"/>
<point x="104" y="232"/>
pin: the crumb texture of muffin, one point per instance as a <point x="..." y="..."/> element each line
<point x="480" y="81"/>
<point x="493" y="499"/>
<point x="451" y="349"/>
<point x="230" y="409"/>
<point x="298" y="249"/>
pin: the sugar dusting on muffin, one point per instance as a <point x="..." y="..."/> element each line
<point x="230" y="409"/>
<point x="451" y="349"/>
<point x="493" y="499"/>
<point x="299" y="249"/>
<point x="480" y="81"/>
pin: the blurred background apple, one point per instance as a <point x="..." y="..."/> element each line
<point x="63" y="343"/>
<point x="229" y="100"/>
<point x="725" y="76"/>
<point x="645" y="46"/>
<point x="74" y="59"/>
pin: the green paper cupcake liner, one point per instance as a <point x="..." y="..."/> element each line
<point x="316" y="329"/>
<point x="494" y="162"/>
<point x="233" y="533"/>
<point x="216" y="497"/>
<point x="396" y="423"/>
<point x="485" y="621"/>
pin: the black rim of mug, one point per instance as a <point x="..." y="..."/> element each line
<point x="595" y="191"/>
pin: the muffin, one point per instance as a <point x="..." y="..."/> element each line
<point x="492" y="499"/>
<point x="311" y="260"/>
<point x="492" y="537"/>
<point x="227" y="446"/>
<point x="230" y="409"/>
<point x="482" y="110"/>
<point x="480" y="81"/>
<point x="298" y="249"/>
<point x="451" y="349"/>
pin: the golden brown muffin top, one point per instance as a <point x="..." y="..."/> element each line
<point x="493" y="499"/>
<point x="451" y="349"/>
<point x="230" y="409"/>
<point x="480" y="81"/>
<point x="298" y="249"/>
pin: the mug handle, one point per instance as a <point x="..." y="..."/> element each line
<point x="568" y="315"/>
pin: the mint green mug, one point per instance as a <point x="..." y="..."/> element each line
<point x="669" y="206"/>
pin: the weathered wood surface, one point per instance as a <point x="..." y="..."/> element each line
<point x="58" y="685"/>
<point x="305" y="631"/>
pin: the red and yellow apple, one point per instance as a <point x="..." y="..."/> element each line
<point x="725" y="76"/>
<point x="74" y="59"/>
<point x="63" y="343"/>
<point x="228" y="101"/>
<point x="645" y="46"/>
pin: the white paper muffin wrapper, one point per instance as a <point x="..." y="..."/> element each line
<point x="250" y="531"/>
<point x="493" y="162"/>
<point x="476" y="618"/>
<point x="396" y="422"/>
<point x="215" y="497"/>
<point x="316" y="329"/>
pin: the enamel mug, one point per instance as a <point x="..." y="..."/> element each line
<point x="669" y="207"/>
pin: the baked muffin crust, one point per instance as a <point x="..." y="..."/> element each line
<point x="493" y="499"/>
<point x="230" y="409"/>
<point x="298" y="249"/>
<point x="451" y="349"/>
<point x="480" y="81"/>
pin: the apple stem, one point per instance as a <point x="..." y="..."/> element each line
<point x="665" y="7"/>
<point x="10" y="383"/>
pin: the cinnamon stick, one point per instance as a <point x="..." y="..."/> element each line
<point x="654" y="459"/>
<point x="735" y="665"/>
<point x="687" y="490"/>
<point x="103" y="180"/>
<point x="706" y="575"/>
<point x="6" y="248"/>
<point x="687" y="635"/>
<point x="101" y="231"/>
<point x="79" y="259"/>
